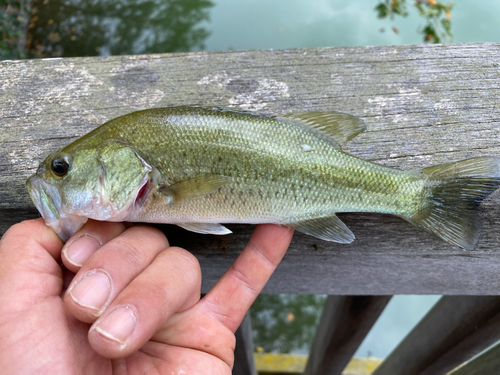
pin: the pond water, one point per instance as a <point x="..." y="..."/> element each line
<point x="89" y="28"/>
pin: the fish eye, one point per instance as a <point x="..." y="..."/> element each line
<point x="60" y="167"/>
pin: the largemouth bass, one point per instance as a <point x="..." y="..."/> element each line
<point x="200" y="167"/>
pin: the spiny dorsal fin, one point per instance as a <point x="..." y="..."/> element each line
<point x="340" y="126"/>
<point x="193" y="187"/>
<point x="329" y="228"/>
<point x="205" y="228"/>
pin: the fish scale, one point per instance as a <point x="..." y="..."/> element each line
<point x="246" y="148"/>
<point x="200" y="166"/>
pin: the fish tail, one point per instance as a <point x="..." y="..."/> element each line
<point x="452" y="196"/>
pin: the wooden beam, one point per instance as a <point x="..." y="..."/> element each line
<point x="244" y="363"/>
<point x="480" y="339"/>
<point x="486" y="363"/>
<point x="345" y="322"/>
<point x="423" y="105"/>
<point x="454" y="326"/>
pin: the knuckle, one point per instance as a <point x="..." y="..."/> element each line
<point x="129" y="253"/>
<point x="186" y="262"/>
<point x="20" y="229"/>
<point x="145" y="233"/>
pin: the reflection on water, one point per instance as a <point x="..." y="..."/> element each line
<point x="94" y="27"/>
<point x="285" y="323"/>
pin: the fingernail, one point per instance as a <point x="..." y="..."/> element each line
<point x="118" y="324"/>
<point x="78" y="251"/>
<point x="92" y="291"/>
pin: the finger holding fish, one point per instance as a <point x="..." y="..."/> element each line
<point x="87" y="240"/>
<point x="110" y="270"/>
<point x="170" y="284"/>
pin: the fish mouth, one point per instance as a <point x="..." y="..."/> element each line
<point x="42" y="200"/>
<point x="47" y="200"/>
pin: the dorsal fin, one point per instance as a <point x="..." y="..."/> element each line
<point x="340" y="126"/>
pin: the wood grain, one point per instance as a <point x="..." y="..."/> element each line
<point x="422" y="104"/>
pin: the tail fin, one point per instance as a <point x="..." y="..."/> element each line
<point x="453" y="194"/>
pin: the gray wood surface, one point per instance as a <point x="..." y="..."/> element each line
<point x="486" y="364"/>
<point x="244" y="363"/>
<point x="450" y="328"/>
<point x="345" y="322"/>
<point x="423" y="105"/>
<point x="480" y="339"/>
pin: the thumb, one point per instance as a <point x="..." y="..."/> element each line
<point x="29" y="270"/>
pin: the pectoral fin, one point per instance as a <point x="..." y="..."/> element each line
<point x="329" y="228"/>
<point x="193" y="187"/>
<point x="339" y="126"/>
<point x="205" y="228"/>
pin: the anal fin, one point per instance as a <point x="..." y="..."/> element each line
<point x="329" y="228"/>
<point x="205" y="228"/>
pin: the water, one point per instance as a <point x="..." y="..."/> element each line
<point x="91" y="28"/>
<point x="259" y="24"/>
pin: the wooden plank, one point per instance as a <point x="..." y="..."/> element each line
<point x="452" y="320"/>
<point x="480" y="339"/>
<point x="422" y="105"/>
<point x="345" y="322"/>
<point x="244" y="363"/>
<point x="487" y="363"/>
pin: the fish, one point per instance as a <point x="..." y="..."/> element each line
<point x="200" y="167"/>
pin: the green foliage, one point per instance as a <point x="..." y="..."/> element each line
<point x="437" y="15"/>
<point x="85" y="27"/>
<point x="13" y="20"/>
<point x="285" y="322"/>
<point x="391" y="8"/>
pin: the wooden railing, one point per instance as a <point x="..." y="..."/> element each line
<point x="422" y="104"/>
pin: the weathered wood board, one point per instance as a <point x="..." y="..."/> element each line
<point x="452" y="332"/>
<point x="423" y="105"/>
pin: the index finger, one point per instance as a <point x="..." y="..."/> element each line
<point x="234" y="293"/>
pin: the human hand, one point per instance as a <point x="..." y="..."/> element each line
<point x="133" y="306"/>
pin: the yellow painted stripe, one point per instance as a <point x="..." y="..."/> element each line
<point x="362" y="366"/>
<point x="296" y="363"/>
<point x="288" y="363"/>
